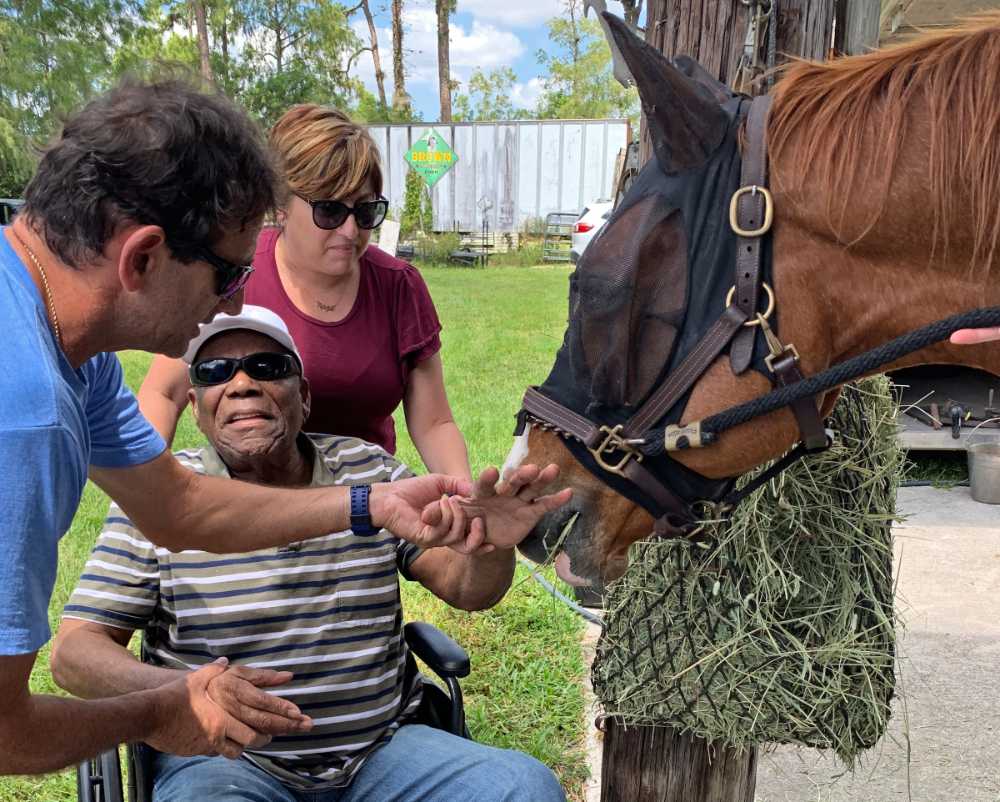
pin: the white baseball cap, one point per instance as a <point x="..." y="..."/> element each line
<point x="252" y="318"/>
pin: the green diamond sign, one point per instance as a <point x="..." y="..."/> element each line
<point x="431" y="157"/>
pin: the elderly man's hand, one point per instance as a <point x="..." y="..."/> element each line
<point x="238" y="692"/>
<point x="399" y="507"/>
<point x="974" y="336"/>
<point x="187" y="722"/>
<point x="501" y="513"/>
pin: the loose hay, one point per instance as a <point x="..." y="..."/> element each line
<point x="776" y="625"/>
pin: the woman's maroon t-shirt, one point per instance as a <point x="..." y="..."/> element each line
<point x="357" y="367"/>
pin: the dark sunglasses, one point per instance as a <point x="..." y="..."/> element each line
<point x="230" y="278"/>
<point x="331" y="214"/>
<point x="265" y="367"/>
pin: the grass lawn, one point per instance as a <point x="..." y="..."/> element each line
<point x="502" y="327"/>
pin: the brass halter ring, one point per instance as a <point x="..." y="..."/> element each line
<point x="770" y="304"/>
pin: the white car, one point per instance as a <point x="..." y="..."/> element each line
<point x="587" y="225"/>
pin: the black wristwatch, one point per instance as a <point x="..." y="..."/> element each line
<point x="361" y="519"/>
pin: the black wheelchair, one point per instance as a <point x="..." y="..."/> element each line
<point x="100" y="779"/>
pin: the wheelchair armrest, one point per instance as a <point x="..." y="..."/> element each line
<point x="445" y="657"/>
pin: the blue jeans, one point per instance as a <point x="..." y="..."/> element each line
<point x="419" y="764"/>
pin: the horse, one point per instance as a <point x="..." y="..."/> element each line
<point x="884" y="170"/>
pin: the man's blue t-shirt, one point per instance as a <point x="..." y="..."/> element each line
<point x="54" y="422"/>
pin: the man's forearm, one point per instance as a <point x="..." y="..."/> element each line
<point x="48" y="733"/>
<point x="178" y="509"/>
<point x="468" y="582"/>
<point x="92" y="666"/>
<point x="224" y="516"/>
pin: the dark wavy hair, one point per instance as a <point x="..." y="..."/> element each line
<point x="160" y="154"/>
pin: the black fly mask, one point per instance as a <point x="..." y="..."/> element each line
<point x="656" y="276"/>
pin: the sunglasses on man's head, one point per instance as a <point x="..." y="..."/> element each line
<point x="265" y="367"/>
<point x="230" y="278"/>
<point x="331" y="214"/>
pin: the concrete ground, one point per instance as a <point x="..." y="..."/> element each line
<point x="942" y="742"/>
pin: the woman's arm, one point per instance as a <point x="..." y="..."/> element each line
<point x="430" y="422"/>
<point x="163" y="395"/>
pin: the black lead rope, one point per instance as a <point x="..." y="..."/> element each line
<point x="832" y="377"/>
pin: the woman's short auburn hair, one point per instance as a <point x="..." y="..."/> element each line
<point x="323" y="154"/>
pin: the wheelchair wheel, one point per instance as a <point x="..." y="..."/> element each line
<point x="100" y="779"/>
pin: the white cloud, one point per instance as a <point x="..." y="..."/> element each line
<point x="484" y="46"/>
<point x="515" y="13"/>
<point x="525" y="96"/>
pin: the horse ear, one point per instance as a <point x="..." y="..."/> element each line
<point x="686" y="125"/>
<point x="693" y="70"/>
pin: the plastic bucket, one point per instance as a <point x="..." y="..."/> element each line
<point x="984" y="472"/>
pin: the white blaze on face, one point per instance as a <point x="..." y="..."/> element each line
<point x="517" y="453"/>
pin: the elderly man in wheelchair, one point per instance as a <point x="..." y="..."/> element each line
<point x="312" y="632"/>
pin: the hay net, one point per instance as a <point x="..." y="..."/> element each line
<point x="776" y="625"/>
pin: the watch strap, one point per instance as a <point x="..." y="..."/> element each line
<point x="361" y="519"/>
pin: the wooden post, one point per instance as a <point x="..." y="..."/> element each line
<point x="713" y="32"/>
<point x="857" y="26"/>
<point x="657" y="764"/>
<point x="642" y="764"/>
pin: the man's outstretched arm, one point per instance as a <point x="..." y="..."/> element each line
<point x="178" y="509"/>
<point x="91" y="660"/>
<point x="41" y="733"/>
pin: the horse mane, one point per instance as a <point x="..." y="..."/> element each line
<point x="837" y="119"/>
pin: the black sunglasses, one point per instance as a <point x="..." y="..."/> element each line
<point x="331" y="214"/>
<point x="265" y="367"/>
<point x="230" y="278"/>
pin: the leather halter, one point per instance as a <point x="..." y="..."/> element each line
<point x="616" y="449"/>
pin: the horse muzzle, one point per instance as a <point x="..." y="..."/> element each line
<point x="558" y="538"/>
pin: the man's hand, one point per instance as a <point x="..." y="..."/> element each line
<point x="237" y="691"/>
<point x="188" y="722"/>
<point x="398" y="507"/>
<point x="974" y="336"/>
<point x="501" y="514"/>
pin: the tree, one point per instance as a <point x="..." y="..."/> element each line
<point x="579" y="82"/>
<point x="376" y="60"/>
<point x="295" y="53"/>
<point x="400" y="99"/>
<point x="489" y="97"/>
<point x="201" y="21"/>
<point x="444" y="9"/>
<point x="15" y="164"/>
<point x="55" y="55"/>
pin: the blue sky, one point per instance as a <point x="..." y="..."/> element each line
<point x="484" y="33"/>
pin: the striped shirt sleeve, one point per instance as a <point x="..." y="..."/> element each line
<point x="120" y="584"/>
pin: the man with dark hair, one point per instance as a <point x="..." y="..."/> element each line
<point x="140" y="224"/>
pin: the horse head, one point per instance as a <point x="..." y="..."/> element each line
<point x="657" y="275"/>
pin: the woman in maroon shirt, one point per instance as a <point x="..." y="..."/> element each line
<point x="363" y="320"/>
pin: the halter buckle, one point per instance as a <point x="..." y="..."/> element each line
<point x="734" y="211"/>
<point x="613" y="441"/>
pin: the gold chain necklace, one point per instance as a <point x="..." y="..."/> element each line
<point x="45" y="283"/>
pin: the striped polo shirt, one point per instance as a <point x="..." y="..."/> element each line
<point x="327" y="609"/>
